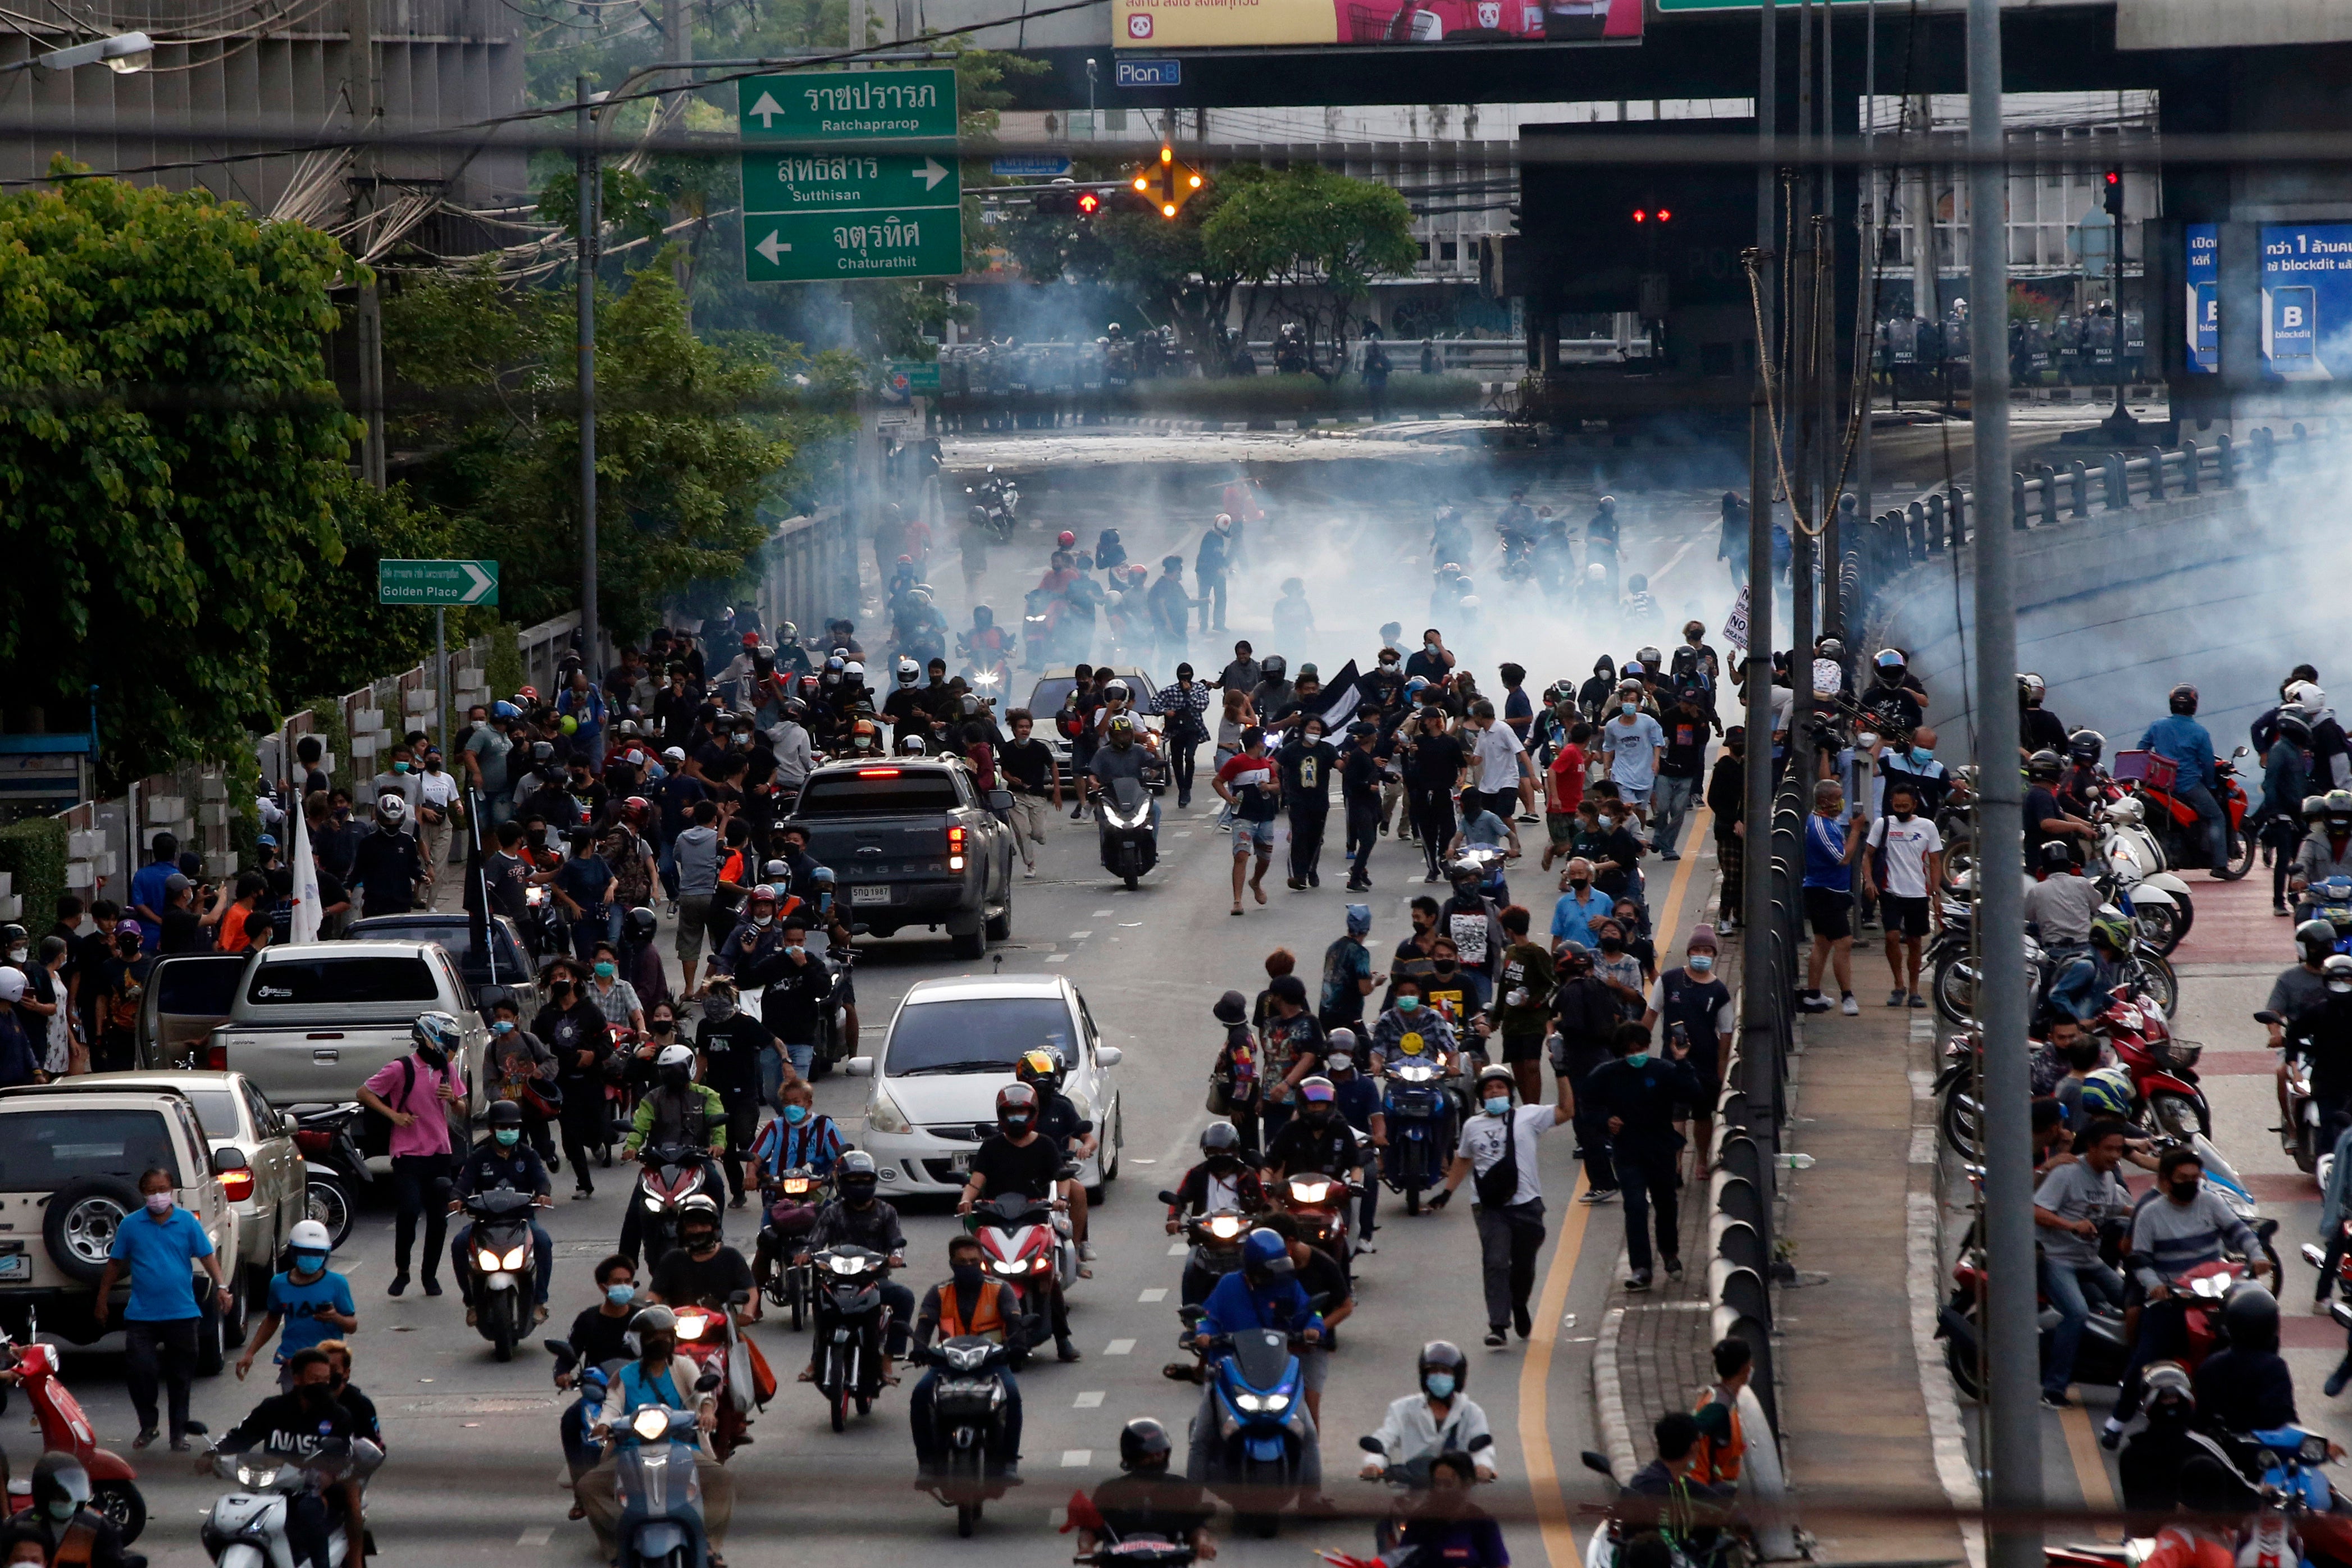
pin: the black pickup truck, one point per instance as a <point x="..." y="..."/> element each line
<point x="913" y="843"/>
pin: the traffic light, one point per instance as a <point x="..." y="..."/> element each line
<point x="1059" y="201"/>
<point x="2112" y="195"/>
<point x="1089" y="204"/>
<point x="1653" y="214"/>
<point x="1167" y="184"/>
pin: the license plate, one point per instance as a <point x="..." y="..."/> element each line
<point x="16" y="1266"/>
<point x="959" y="1163"/>
<point x="870" y="893"/>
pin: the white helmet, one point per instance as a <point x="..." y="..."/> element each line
<point x="674" y="1057"/>
<point x="310" y="1236"/>
<point x="909" y="672"/>
<point x="12" y="985"/>
<point x="2126" y="811"/>
<point x="2303" y="694"/>
<point x="852" y="671"/>
<point x="391" y="806"/>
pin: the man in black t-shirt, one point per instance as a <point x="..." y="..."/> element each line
<point x="297" y="1424"/>
<point x="1432" y="760"/>
<point x="1026" y="765"/>
<point x="598" y="1336"/>
<point x="1019" y="1159"/>
<point x="1679" y="769"/>
<point x="699" y="1271"/>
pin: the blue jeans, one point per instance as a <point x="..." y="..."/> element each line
<point x="1668" y="805"/>
<point x="771" y="1069"/>
<point x="461" y="1260"/>
<point x="2210" y="818"/>
<point x="2070" y="1287"/>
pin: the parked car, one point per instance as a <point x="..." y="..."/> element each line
<point x="188" y="996"/>
<point x="1053" y="687"/>
<point x="71" y="1159"/>
<point x="505" y="967"/>
<point x="952" y="1045"/>
<point x="913" y="843"/>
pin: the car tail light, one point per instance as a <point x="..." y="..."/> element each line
<point x="877" y="772"/>
<point x="236" y="1184"/>
<point x="955" y="848"/>
<point x="216" y="1056"/>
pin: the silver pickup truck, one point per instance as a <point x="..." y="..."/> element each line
<point x="310" y="1022"/>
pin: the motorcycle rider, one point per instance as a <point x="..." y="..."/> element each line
<point x="503" y="1159"/>
<point x="1264" y="1293"/>
<point x="1221" y="1182"/>
<point x="1474" y="922"/>
<point x="2245" y="1386"/>
<point x="1121" y="758"/>
<point x="599" y="1337"/>
<point x="2325" y="850"/>
<point x="1437" y="1418"/>
<point x="2181" y="740"/>
<point x="2062" y="903"/>
<point x="660" y="1377"/>
<point x="1017" y="1158"/>
<point x="1145" y="1501"/>
<point x="2038" y="729"/>
<point x="967" y="1303"/>
<point x="701" y="1270"/>
<point x="857" y="1217"/>
<point x="2070" y="1207"/>
<point x="2321" y="1032"/>
<point x="296" y="1424"/>
<point x="736" y="1049"/>
<point x="676" y="1111"/>
<point x="1317" y="1139"/>
<point x="1058" y="1119"/>
<point x="2190" y="1226"/>
<point x="2162" y="1467"/>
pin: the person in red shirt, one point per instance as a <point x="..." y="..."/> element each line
<point x="1563" y="791"/>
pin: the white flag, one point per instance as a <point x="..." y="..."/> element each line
<point x="306" y="879"/>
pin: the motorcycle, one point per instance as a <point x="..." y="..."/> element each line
<point x="1319" y="1205"/>
<point x="1037" y="629"/>
<point x="798" y="1193"/>
<point x="505" y="1267"/>
<point x="246" y="1527"/>
<point x="2174" y="822"/>
<point x="661" y="1496"/>
<point x="968" y="1413"/>
<point x="1260" y="1409"/>
<point x="707" y="1337"/>
<point x="2163" y="1067"/>
<point x="994" y="507"/>
<point x="1420" y="1121"/>
<point x="333" y="1164"/>
<point x="65" y="1429"/>
<point x="1216" y="1239"/>
<point x="2106" y="1347"/>
<point x="592" y="1384"/>
<point x="2136" y="880"/>
<point x="1130" y="842"/>
<point x="669" y="1174"/>
<point x="2331" y="901"/>
<point x="1629" y="1514"/>
<point x="850" y="1324"/>
<point x="543" y="926"/>
<point x="1026" y="1244"/>
<point x="2301" y="1135"/>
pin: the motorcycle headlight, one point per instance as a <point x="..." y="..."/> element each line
<point x="1226" y="1226"/>
<point x="651" y="1423"/>
<point x="653" y="1203"/>
<point x="1309" y="1192"/>
<point x="258" y="1477"/>
<point x="883" y="1115"/>
<point x="513" y="1260"/>
<point x="1274" y="1401"/>
<point x="692" y="1326"/>
<point x="1009" y="1265"/>
<point x="1043" y="1264"/>
<point x="846" y="1265"/>
<point x="488" y="1262"/>
<point x="1245" y="1401"/>
<point x="795" y="1186"/>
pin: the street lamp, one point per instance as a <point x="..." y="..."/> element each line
<point x="123" y="53"/>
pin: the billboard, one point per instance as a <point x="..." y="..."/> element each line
<point x="2202" y="319"/>
<point x="1215" y="24"/>
<point x="2307" y="301"/>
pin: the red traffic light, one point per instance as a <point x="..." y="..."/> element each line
<point x="1640" y="216"/>
<point x="2115" y="176"/>
<point x="1663" y="214"/>
<point x="1088" y="204"/>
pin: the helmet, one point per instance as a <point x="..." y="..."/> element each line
<point x="1016" y="1108"/>
<point x="390" y="809"/>
<point x="639" y="925"/>
<point x="2110" y="925"/>
<point x="59" y="1477"/>
<point x="2057" y="854"/>
<point x="2314" y="940"/>
<point x="1041" y="1064"/>
<point x="2339" y="803"/>
<point x="2086" y="746"/>
<point x="2315" y="806"/>
<point x="1465" y="871"/>
<point x="856" y="1176"/>
<point x="2107" y="1092"/>
<point x="1888" y="659"/>
<point x="909" y="672"/>
<point x="821" y="876"/>
<point x="2252" y="1317"/>
<point x="503" y="1113"/>
<point x="2294" y="727"/>
<point x="1220" y="1140"/>
<point x="1143" y="1446"/>
<point x="2167" y="1392"/>
<point x="1317" y="1089"/>
<point x="1121" y="730"/>
<point x="2183" y="699"/>
<point x="435" y="1032"/>
<point x="1264" y="1252"/>
<point x="310" y="1236"/>
<point x="2044" y="766"/>
<point x="2338" y="973"/>
<point x="1497" y="1073"/>
<point x="2032" y="687"/>
<point x="698" y="1206"/>
<point x="636" y="808"/>
<point x="1065" y="539"/>
<point x="777" y="873"/>
<point x="764" y="893"/>
<point x="1275" y="665"/>
<point x="1443" y="1355"/>
<point x="675" y="1066"/>
<point x="1119" y="689"/>
<point x="852" y="671"/>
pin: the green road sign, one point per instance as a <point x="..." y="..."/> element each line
<point x="812" y="214"/>
<point x="910" y="378"/>
<point x="436" y="582"/>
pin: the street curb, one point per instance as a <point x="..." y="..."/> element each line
<point x="1609" y="1392"/>
<point x="1923" y="1277"/>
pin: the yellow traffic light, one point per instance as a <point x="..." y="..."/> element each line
<point x="1168" y="209"/>
<point x="1170" y="184"/>
<point x="1167" y="153"/>
<point x="1140" y="182"/>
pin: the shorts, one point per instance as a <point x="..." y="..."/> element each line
<point x="693" y="919"/>
<point x="1247" y="834"/>
<point x="1314" y="1366"/>
<point x="1559" y="827"/>
<point x="1633" y="796"/>
<point x="1830" y="912"/>
<point x="1523" y="1048"/>
<point x="1904" y="917"/>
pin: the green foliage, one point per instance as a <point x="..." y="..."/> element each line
<point x="327" y="723"/>
<point x="344" y="638"/>
<point x="171" y="454"/>
<point x="1317" y="239"/>
<point x="684" y="457"/>
<point x="503" y="668"/>
<point x="34" y="852"/>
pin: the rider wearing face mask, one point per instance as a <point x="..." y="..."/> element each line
<point x="2190" y="1227"/>
<point x="1018" y="1158"/>
<point x="1225" y="1181"/>
<point x="308" y="1300"/>
<point x="1317" y="1139"/>
<point x="502" y="1160"/>
<point x="660" y="1377"/>
<point x="967" y="1303"/>
<point x="297" y="1424"/>
<point x="1604" y="838"/>
<point x="1436" y="1419"/>
<point x="702" y="1270"/>
<point x="858" y="1218"/>
<point x="1692" y="1004"/>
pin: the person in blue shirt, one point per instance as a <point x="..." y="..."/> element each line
<point x="1581" y="906"/>
<point x="1830" y="854"/>
<point x="163" y="1246"/>
<point x="1357" y="1096"/>
<point x="1264" y="1293"/>
<point x="2181" y="740"/>
<point x="312" y="1304"/>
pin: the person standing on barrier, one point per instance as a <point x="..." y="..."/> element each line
<point x="1637" y="1094"/>
<point x="1497" y="1147"/>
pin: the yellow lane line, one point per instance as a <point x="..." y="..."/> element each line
<point x="1535" y="1374"/>
<point x="2090" y="1469"/>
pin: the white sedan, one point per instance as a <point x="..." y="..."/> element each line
<point x="952" y="1046"/>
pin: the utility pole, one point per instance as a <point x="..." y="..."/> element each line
<point x="1828" y="363"/>
<point x="1865" y="315"/>
<point x="1761" y="1000"/>
<point x="2012" y="1415"/>
<point x="591" y="219"/>
<point x="359" y="79"/>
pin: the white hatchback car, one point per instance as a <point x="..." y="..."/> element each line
<point x="952" y="1046"/>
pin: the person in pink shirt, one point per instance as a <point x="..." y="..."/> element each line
<point x="413" y="1094"/>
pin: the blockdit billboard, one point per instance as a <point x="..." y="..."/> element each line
<point x="2307" y="301"/>
<point x="1212" y="24"/>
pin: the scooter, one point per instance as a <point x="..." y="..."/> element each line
<point x="592" y="1385"/>
<point x="1420" y="1119"/>
<point x="707" y="1337"/>
<point x="2160" y="903"/>
<point x="333" y="1164"/>
<point x="1260" y="1410"/>
<point x="670" y="1175"/>
<point x="113" y="1484"/>
<point x="2106" y="1348"/>
<point x="1319" y="1205"/>
<point x="2301" y="1135"/>
<point x="792" y="1203"/>
<point x="505" y="1267"/>
<point x="1216" y="1239"/>
<point x="968" y="1413"/>
<point x="1129" y="841"/>
<point x="2163" y="1068"/>
<point x="661" y="1496"/>
<point x="1026" y="1244"/>
<point x="246" y="1527"/>
<point x="2174" y="821"/>
<point x="851" y="1326"/>
<point x="2331" y="901"/>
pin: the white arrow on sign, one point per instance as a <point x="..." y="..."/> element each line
<point x="931" y="173"/>
<point x="482" y="583"/>
<point x="772" y="248"/>
<point x="767" y="109"/>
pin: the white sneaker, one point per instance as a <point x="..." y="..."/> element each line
<point x="1028" y="871"/>
<point x="1849" y="1007"/>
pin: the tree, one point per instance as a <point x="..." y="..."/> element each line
<point x="1316" y="238"/>
<point x="172" y="457"/>
<point x="689" y="437"/>
<point x="344" y="638"/>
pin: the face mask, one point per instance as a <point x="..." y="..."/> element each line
<point x="400" y="767"/>
<point x="1443" y="965"/>
<point x="62" y="1508"/>
<point x="1612" y="943"/>
<point x="503" y="1027"/>
<point x="1407" y="1004"/>
<point x="1497" y="1104"/>
<point x="620" y="1295"/>
<point x="796" y="1114"/>
<point x="2184" y="1192"/>
<point x="1629" y="709"/>
<point x="605" y="971"/>
<point x="1580" y="883"/>
<point x="1440" y="1384"/>
<point x="718" y="1009"/>
<point x="1606" y="822"/>
<point x="763" y="921"/>
<point x="1700" y="962"/>
<point x="159" y="1203"/>
<point x="1922" y="754"/>
<point x="508" y="1137"/>
<point x="1430" y="643"/>
<point x="662" y="1026"/>
<point x="309" y="1262"/>
<point x="967" y="1275"/>
<point x="18" y="954"/>
<point x="1639" y="1059"/>
<point x="674" y="1078"/>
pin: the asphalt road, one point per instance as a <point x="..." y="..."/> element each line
<point x="475" y="1462"/>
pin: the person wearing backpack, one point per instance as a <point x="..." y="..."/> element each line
<point x="1498" y="1150"/>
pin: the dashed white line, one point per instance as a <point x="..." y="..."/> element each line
<point x="1179" y="1248"/>
<point x="1090" y="1400"/>
<point x="1077" y="1459"/>
<point x="1057" y="958"/>
<point x="1080" y="935"/>
<point x="1119" y="1347"/>
<point x="539" y="1537"/>
<point x="1155" y="1294"/>
<point x="1099" y="913"/>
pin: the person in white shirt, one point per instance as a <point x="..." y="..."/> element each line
<point x="1913" y="867"/>
<point x="437" y="811"/>
<point x="1437" y="1420"/>
<point x="1504" y="773"/>
<point x="1498" y="1145"/>
<point x="1635" y="743"/>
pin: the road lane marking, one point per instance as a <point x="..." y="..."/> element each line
<point x="1090" y="1400"/>
<point x="1080" y="935"/>
<point x="1099" y="913"/>
<point x="1155" y="1294"/>
<point x="539" y="1537"/>
<point x="1119" y="1347"/>
<point x="2090" y="1469"/>
<point x="1178" y="1248"/>
<point x="1077" y="1459"/>
<point x="1057" y="958"/>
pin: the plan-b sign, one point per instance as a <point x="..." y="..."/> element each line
<point x="812" y="211"/>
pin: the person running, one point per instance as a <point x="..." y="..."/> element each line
<point x="1914" y="859"/>
<point x="1250" y="783"/>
